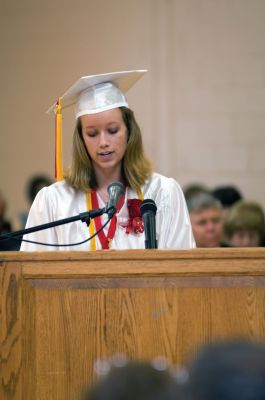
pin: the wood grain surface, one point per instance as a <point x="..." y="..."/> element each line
<point x="61" y="312"/>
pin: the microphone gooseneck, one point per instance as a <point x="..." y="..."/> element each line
<point x="148" y="213"/>
<point x="115" y="191"/>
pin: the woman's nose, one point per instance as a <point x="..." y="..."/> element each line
<point x="103" y="142"/>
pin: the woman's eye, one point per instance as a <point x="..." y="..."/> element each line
<point x="113" y="130"/>
<point x="92" y="134"/>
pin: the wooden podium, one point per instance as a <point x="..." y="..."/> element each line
<point x="62" y="311"/>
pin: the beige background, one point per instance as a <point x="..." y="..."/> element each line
<point x="201" y="106"/>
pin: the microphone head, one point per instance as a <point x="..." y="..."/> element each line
<point x="148" y="205"/>
<point x="115" y="191"/>
<point x="115" y="187"/>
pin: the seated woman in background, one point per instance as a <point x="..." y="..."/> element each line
<point x="245" y="225"/>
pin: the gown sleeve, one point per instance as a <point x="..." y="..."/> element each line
<point x="174" y="227"/>
<point x="40" y="213"/>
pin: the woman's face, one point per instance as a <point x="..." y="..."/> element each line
<point x="105" y="136"/>
<point x="245" y="238"/>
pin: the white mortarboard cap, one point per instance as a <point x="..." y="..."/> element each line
<point x="96" y="93"/>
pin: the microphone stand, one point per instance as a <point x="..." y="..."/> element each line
<point x="84" y="217"/>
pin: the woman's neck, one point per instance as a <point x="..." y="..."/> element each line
<point x="104" y="178"/>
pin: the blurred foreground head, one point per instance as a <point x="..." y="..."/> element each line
<point x="134" y="381"/>
<point x="228" y="371"/>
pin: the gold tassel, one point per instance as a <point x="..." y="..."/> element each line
<point x="93" y="244"/>
<point x="58" y="142"/>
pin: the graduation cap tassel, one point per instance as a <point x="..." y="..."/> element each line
<point x="58" y="142"/>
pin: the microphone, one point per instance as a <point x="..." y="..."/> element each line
<point x="148" y="213"/>
<point x="115" y="191"/>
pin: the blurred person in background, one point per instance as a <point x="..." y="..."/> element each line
<point x="233" y="370"/>
<point x="206" y="219"/>
<point x="5" y="224"/>
<point x="195" y="188"/>
<point x="34" y="185"/>
<point x="6" y="227"/>
<point x="245" y="225"/>
<point x="228" y="196"/>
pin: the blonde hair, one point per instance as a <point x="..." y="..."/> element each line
<point x="245" y="216"/>
<point x="136" y="168"/>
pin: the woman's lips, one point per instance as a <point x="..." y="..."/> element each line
<point x="106" y="155"/>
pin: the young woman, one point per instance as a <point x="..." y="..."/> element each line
<point x="107" y="147"/>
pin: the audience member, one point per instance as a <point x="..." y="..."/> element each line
<point x="228" y="196"/>
<point x="5" y="227"/>
<point x="134" y="381"/>
<point x="33" y="186"/>
<point x="206" y="219"/>
<point x="194" y="188"/>
<point x="245" y="225"/>
<point x="228" y="371"/>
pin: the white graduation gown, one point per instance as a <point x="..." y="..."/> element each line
<point x="62" y="201"/>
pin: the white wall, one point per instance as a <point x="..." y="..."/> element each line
<point x="201" y="106"/>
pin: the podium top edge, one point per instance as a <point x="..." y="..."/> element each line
<point x="199" y="253"/>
